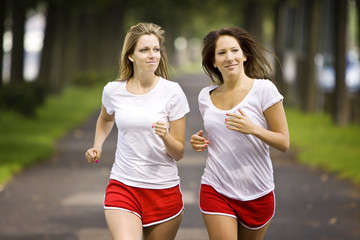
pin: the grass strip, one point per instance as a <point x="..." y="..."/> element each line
<point x="25" y="141"/>
<point x="320" y="143"/>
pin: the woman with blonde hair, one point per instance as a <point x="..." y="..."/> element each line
<point x="143" y="197"/>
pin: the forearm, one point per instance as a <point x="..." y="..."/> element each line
<point x="274" y="139"/>
<point x="174" y="148"/>
<point x="172" y="136"/>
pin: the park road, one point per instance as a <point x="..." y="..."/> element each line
<point x="61" y="199"/>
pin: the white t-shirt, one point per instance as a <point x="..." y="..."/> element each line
<point x="239" y="165"/>
<point x="141" y="159"/>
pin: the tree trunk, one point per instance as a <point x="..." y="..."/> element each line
<point x="358" y="18"/>
<point x="87" y="40"/>
<point x="254" y="19"/>
<point x="112" y="38"/>
<point x="17" y="52"/>
<point x="56" y="77"/>
<point x="70" y="57"/>
<point x="48" y="42"/>
<point x="301" y="30"/>
<point x="308" y="25"/>
<point x="313" y="47"/>
<point x="2" y="29"/>
<point x="341" y="111"/>
<point x="279" y="44"/>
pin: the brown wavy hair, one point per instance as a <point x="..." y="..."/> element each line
<point x="131" y="39"/>
<point x="256" y="64"/>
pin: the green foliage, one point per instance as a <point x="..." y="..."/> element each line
<point x="25" y="141"/>
<point x="320" y="143"/>
<point x="23" y="98"/>
<point x="91" y="78"/>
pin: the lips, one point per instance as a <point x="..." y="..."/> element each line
<point x="231" y="66"/>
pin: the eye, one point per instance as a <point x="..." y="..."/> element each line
<point x="143" y="50"/>
<point x="235" y="50"/>
<point x="157" y="50"/>
<point x="221" y="53"/>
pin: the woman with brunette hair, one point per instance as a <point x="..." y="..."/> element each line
<point x="243" y="116"/>
<point x="143" y="198"/>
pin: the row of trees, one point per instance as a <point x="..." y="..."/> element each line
<point x="84" y="36"/>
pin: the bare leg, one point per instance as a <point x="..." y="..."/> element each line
<point x="221" y="227"/>
<point x="247" y="234"/>
<point x="166" y="230"/>
<point x="123" y="225"/>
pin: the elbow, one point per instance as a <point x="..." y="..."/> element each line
<point x="179" y="155"/>
<point x="285" y="147"/>
<point x="178" y="158"/>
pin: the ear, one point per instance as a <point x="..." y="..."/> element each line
<point x="245" y="58"/>
<point x="131" y="59"/>
<point x="215" y="65"/>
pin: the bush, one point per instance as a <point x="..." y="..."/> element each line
<point x="91" y="78"/>
<point x="23" y="98"/>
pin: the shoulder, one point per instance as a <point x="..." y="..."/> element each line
<point x="170" y="87"/>
<point x="111" y="86"/>
<point x="268" y="92"/>
<point x="264" y="83"/>
<point x="169" y="84"/>
<point x="207" y="90"/>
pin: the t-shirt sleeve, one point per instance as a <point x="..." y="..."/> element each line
<point x="106" y="99"/>
<point x="202" y="101"/>
<point x="178" y="105"/>
<point x="270" y="95"/>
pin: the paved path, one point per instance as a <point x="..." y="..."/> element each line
<point x="61" y="199"/>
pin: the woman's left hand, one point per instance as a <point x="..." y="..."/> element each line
<point x="161" y="128"/>
<point x="240" y="122"/>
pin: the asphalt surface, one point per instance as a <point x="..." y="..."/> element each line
<point x="61" y="199"/>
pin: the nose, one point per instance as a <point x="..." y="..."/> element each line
<point x="152" y="53"/>
<point x="229" y="56"/>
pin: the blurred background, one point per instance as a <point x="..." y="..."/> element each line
<point x="57" y="55"/>
<point x="49" y="46"/>
<point x="56" y="43"/>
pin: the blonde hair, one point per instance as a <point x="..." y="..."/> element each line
<point x="131" y="39"/>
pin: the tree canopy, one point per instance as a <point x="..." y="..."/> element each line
<point x="83" y="38"/>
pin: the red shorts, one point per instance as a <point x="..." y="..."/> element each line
<point x="253" y="214"/>
<point x="153" y="206"/>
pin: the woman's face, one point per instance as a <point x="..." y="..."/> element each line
<point x="229" y="57"/>
<point x="146" y="56"/>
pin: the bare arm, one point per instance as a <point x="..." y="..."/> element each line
<point x="277" y="136"/>
<point x="174" y="139"/>
<point x="104" y="125"/>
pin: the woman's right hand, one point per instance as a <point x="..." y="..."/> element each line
<point x="93" y="155"/>
<point x="198" y="142"/>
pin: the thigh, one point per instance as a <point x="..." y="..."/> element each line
<point x="255" y="214"/>
<point x="221" y="227"/>
<point x="166" y="230"/>
<point x="160" y="205"/>
<point x="123" y="225"/>
<point x="248" y="234"/>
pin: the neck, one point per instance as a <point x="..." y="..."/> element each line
<point x="238" y="81"/>
<point x="143" y="85"/>
<point x="144" y="80"/>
